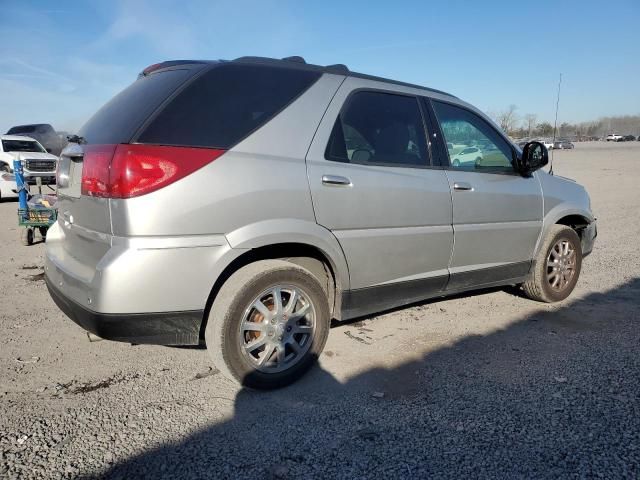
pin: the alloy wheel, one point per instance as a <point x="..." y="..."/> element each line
<point x="278" y="328"/>
<point x="561" y="265"/>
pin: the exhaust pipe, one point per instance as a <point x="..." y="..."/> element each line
<point x="93" y="337"/>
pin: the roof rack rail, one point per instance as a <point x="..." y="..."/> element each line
<point x="295" y="58"/>
<point x="337" y="68"/>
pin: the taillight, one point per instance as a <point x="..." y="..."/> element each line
<point x="95" y="170"/>
<point x="125" y="171"/>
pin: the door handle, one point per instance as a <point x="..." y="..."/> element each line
<point x="336" y="181"/>
<point x="463" y="186"/>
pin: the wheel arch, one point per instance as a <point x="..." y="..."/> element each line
<point x="576" y="218"/>
<point x="575" y="221"/>
<point x="304" y="243"/>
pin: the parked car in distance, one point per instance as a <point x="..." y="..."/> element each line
<point x="467" y="157"/>
<point x="52" y="141"/>
<point x="629" y="138"/>
<point x="253" y="201"/>
<point x="614" y="137"/>
<point x="8" y="188"/>
<point x="546" y="142"/>
<point x="563" y="144"/>
<point x="36" y="162"/>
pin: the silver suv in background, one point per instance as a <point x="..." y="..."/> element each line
<point x="247" y="203"/>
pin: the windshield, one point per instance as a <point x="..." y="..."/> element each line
<point x="22" y="146"/>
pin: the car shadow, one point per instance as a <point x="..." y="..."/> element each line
<point x="554" y="394"/>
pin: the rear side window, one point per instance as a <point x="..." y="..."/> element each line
<point x="376" y="128"/>
<point x="226" y="104"/>
<point x="122" y="116"/>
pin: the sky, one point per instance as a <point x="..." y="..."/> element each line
<point x="61" y="60"/>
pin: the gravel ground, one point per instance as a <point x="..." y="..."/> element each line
<point x="481" y="385"/>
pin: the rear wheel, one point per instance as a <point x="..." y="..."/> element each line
<point x="557" y="267"/>
<point x="268" y="324"/>
<point x="4" y="167"/>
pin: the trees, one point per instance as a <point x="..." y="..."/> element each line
<point x="527" y="126"/>
<point x="530" y="122"/>
<point x="544" y="129"/>
<point x="507" y="119"/>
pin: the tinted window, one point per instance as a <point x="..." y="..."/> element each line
<point x="226" y="104"/>
<point x="21" y="146"/>
<point x="379" y="129"/>
<point x="474" y="144"/>
<point x="118" y="120"/>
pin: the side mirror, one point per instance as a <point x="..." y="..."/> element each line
<point x="48" y="150"/>
<point x="534" y="156"/>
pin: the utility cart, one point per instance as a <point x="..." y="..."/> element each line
<point x="38" y="212"/>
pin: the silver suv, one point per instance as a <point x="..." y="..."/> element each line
<point x="247" y="203"/>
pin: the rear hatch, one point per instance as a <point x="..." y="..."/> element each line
<point x="86" y="220"/>
<point x="170" y="122"/>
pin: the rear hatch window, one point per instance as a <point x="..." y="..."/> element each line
<point x="226" y="104"/>
<point x="122" y="116"/>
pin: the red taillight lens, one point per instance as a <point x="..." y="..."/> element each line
<point x="134" y="170"/>
<point x="95" y="170"/>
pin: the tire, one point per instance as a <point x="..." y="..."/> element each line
<point x="553" y="283"/>
<point x="43" y="232"/>
<point x="284" y="347"/>
<point x="4" y="168"/>
<point x="26" y="236"/>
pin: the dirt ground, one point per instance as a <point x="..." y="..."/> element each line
<point x="486" y="384"/>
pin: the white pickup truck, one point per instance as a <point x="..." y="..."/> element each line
<point x="614" y="137"/>
<point x="36" y="161"/>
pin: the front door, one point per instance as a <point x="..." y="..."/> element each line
<point x="497" y="213"/>
<point x="373" y="186"/>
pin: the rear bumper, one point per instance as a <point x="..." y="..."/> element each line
<point x="166" y="328"/>
<point x="141" y="290"/>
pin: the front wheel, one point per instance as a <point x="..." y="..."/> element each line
<point x="268" y="324"/>
<point x="557" y="266"/>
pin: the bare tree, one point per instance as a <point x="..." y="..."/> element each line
<point x="530" y="122"/>
<point x="544" y="128"/>
<point x="507" y="119"/>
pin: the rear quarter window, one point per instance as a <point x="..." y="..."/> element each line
<point x="226" y="104"/>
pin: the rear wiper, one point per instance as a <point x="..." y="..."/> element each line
<point x="76" y="139"/>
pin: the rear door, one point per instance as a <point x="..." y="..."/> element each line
<point x="373" y="186"/>
<point x="497" y="213"/>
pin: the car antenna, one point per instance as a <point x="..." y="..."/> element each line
<point x="555" y="125"/>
